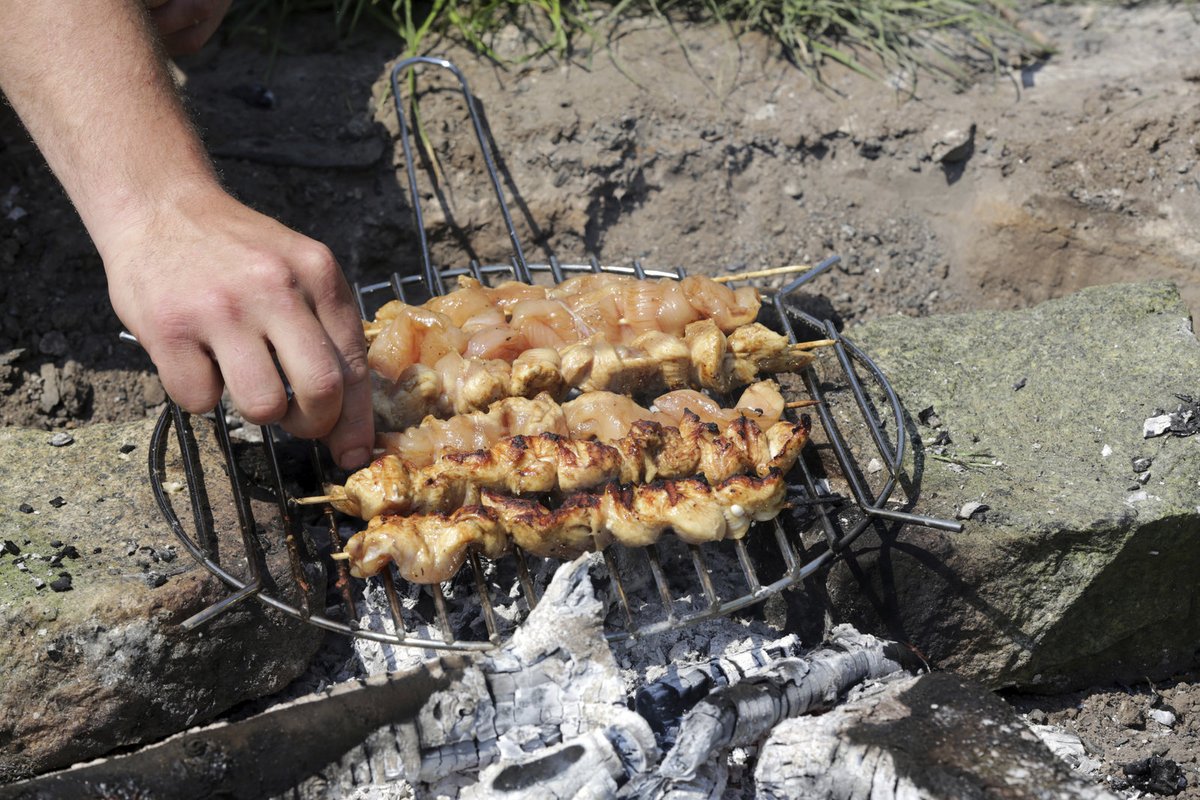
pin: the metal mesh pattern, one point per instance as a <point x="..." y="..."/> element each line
<point x="655" y="588"/>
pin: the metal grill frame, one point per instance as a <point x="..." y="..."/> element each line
<point x="872" y="506"/>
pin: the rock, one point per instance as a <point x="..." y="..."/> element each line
<point x="1162" y="717"/>
<point x="53" y="343"/>
<point x="951" y="144"/>
<point x="125" y="672"/>
<point x="51" y="396"/>
<point x="970" y="509"/>
<point x="61" y="439"/>
<point x="1072" y="579"/>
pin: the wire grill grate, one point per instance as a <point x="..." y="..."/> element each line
<point x="660" y="587"/>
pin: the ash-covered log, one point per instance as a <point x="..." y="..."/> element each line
<point x="665" y="701"/>
<point x="746" y="712"/>
<point x="554" y="681"/>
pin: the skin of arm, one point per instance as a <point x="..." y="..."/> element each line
<point x="211" y="288"/>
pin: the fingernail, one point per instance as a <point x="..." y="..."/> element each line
<point x="355" y="458"/>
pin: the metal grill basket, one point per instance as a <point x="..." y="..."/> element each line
<point x="831" y="499"/>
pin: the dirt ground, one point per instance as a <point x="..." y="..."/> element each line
<point x="681" y="147"/>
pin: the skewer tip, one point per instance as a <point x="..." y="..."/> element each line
<point x="814" y="344"/>
<point x="335" y="494"/>
<point x="763" y="273"/>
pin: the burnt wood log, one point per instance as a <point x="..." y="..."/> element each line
<point x="746" y="712"/>
<point x="930" y="737"/>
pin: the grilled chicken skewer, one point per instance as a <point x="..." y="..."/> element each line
<point x="593" y="415"/>
<point x="705" y="358"/>
<point x="430" y="548"/>
<point x="550" y="463"/>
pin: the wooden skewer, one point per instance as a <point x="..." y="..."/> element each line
<point x="340" y="556"/>
<point x="336" y="493"/>
<point x="802" y="404"/>
<point x="813" y="345"/>
<point x="763" y="273"/>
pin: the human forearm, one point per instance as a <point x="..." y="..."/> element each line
<point x="88" y="83"/>
<point x="216" y="292"/>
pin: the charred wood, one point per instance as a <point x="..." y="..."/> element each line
<point x="746" y="712"/>
<point x="664" y="701"/>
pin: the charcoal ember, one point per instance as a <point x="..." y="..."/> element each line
<point x="10" y="547"/>
<point x="25" y="508"/>
<point x="128" y="448"/>
<point x="928" y="416"/>
<point x="62" y="583"/>
<point x="57" y="502"/>
<point x="1155" y="775"/>
<point x="1183" y="421"/>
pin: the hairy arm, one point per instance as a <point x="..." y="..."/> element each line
<point x="212" y="289"/>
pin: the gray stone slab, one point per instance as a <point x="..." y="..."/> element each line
<point x="1072" y="571"/>
<point x="105" y="663"/>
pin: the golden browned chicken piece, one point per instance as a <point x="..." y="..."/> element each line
<point x="426" y="549"/>
<point x="431" y="547"/>
<point x="548" y="463"/>
<point x="592" y="415"/>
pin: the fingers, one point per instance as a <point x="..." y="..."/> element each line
<point x="251" y="376"/>
<point x="351" y="430"/>
<point x="353" y="435"/>
<point x="189" y="376"/>
<point x="314" y="371"/>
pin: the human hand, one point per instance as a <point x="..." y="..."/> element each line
<point x="212" y="289"/>
<point x="186" y="25"/>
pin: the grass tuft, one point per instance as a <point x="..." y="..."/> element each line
<point x="869" y="36"/>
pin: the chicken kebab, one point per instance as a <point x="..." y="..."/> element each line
<point x="644" y="460"/>
<point x="430" y="548"/>
<point x="620" y="334"/>
<point x="548" y="462"/>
